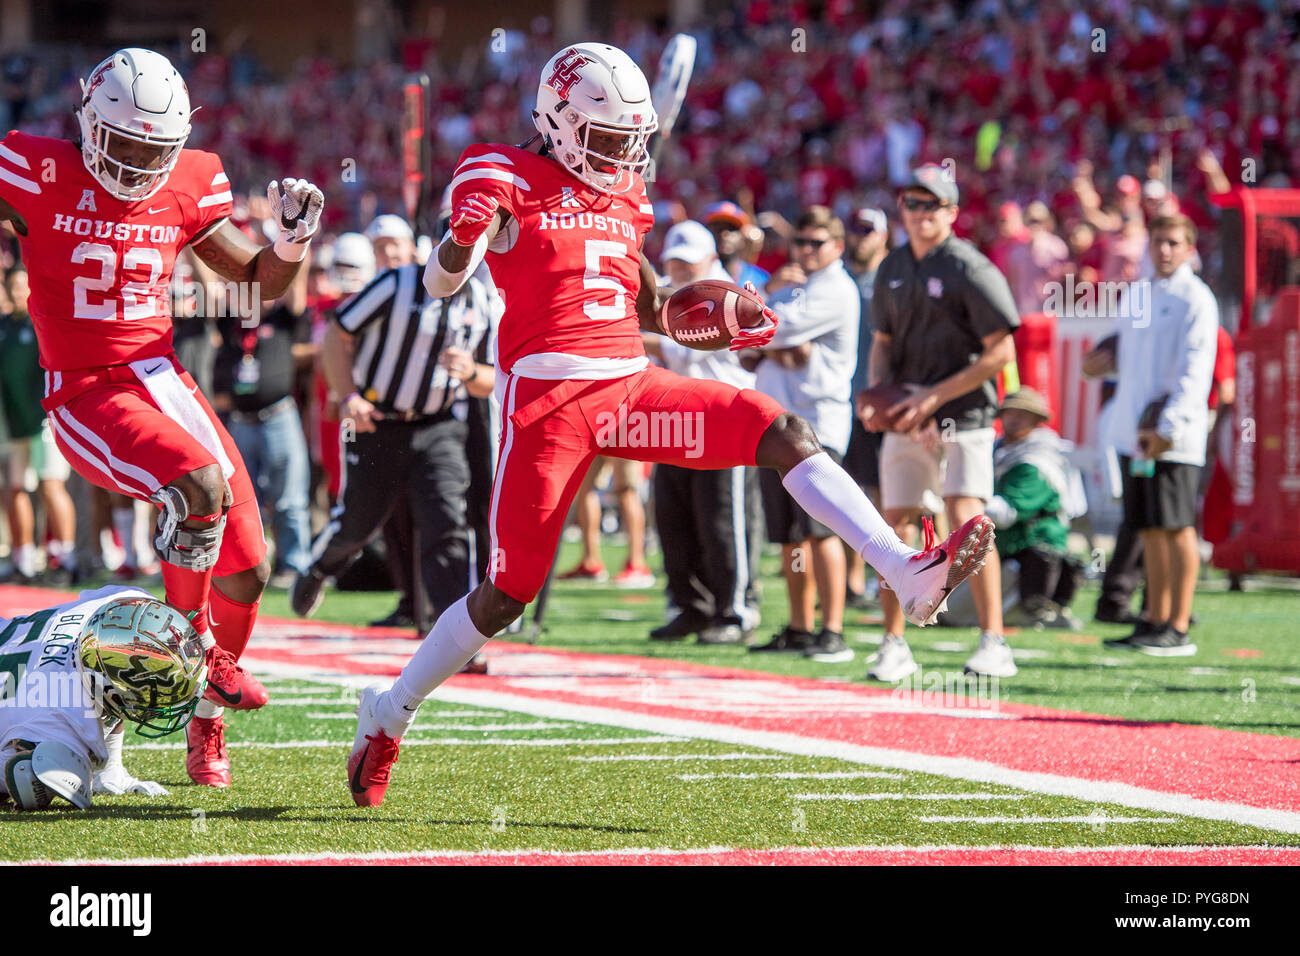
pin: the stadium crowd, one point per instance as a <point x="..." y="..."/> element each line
<point x="1068" y="128"/>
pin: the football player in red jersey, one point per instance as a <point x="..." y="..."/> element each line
<point x="561" y="226"/>
<point x="100" y="224"/>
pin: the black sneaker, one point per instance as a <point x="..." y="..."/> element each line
<point x="721" y="634"/>
<point x="790" y="639"/>
<point x="683" y="625"/>
<point x="859" y="600"/>
<point x="1114" y="614"/>
<point x="306" y="593"/>
<point x="399" y="618"/>
<point x="57" y="577"/>
<point x="1166" y="641"/>
<point x="828" y="647"/>
<point x="1128" y="643"/>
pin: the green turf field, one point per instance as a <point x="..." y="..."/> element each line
<point x="290" y="796"/>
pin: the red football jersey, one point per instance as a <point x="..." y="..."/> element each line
<point x="100" y="267"/>
<point x="568" y="265"/>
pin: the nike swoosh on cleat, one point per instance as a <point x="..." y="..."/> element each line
<point x="232" y="701"/>
<point x="356" y="774"/>
<point x="943" y="556"/>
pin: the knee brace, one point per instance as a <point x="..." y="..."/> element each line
<point x="193" y="548"/>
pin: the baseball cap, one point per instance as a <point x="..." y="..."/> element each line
<point x="726" y="212"/>
<point x="1027" y="400"/>
<point x="389" y="226"/>
<point x="1127" y="185"/>
<point x="353" y="249"/>
<point x="869" y="216"/>
<point x="690" y="242"/>
<point x="936" y="180"/>
<point x="1154" y="189"/>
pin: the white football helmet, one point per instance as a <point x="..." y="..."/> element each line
<point x="135" y="118"/>
<point x="595" y="112"/>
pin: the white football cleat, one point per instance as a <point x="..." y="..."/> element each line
<point x="992" y="658"/>
<point x="893" y="661"/>
<point x="931" y="575"/>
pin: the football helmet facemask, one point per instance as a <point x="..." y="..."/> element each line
<point x="143" y="662"/>
<point x="135" y="118"/>
<point x="595" y="112"/>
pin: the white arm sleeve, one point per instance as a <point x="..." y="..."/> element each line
<point x="442" y="283"/>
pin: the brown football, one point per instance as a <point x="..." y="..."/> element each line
<point x="707" y="315"/>
<point x="880" y="398"/>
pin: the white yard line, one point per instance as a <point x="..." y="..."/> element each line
<point x="910" y="796"/>
<point x="436" y="742"/>
<point x="1081" y="851"/>
<point x="795" y="775"/>
<point x="611" y="758"/>
<point x="1095" y="819"/>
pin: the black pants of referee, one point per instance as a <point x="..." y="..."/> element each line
<point x="425" y="462"/>
<point x="710" y="530"/>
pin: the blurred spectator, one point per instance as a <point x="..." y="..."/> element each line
<point x="1035" y="497"/>
<point x="708" y="521"/>
<point x="1040" y="260"/>
<point x="808" y="368"/>
<point x="727" y="222"/>
<point x="627" y="480"/>
<point x="393" y="241"/>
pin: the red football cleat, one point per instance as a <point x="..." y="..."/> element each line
<point x="373" y="754"/>
<point x="229" y="685"/>
<point x="931" y="575"/>
<point x="205" y="758"/>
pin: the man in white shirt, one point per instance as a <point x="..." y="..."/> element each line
<point x="1168" y="334"/>
<point x="808" y="367"/>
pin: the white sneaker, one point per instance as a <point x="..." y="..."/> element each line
<point x="992" y="658"/>
<point x="931" y="575"/>
<point x="893" y="661"/>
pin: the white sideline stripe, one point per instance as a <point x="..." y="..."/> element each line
<point x="1132" y="848"/>
<point x="493" y="728"/>
<point x="215" y="199"/>
<point x="795" y="775"/>
<point x="18" y="159"/>
<point x="435" y="742"/>
<point x="962" y="768"/>
<point x="911" y="796"/>
<point x="444" y="715"/>
<point x="613" y="757"/>
<point x="1097" y="819"/>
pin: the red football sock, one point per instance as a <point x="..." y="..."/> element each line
<point x="187" y="591"/>
<point x="231" y="621"/>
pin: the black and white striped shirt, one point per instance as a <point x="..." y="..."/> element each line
<point x="403" y="329"/>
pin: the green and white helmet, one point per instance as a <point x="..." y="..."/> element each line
<point x="143" y="662"/>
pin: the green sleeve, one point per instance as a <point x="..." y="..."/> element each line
<point x="1027" y="491"/>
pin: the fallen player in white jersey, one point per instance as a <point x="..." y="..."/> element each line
<point x="74" y="675"/>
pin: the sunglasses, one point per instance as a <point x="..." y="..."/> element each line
<point x="811" y="243"/>
<point x="912" y="204"/>
<point x="862" y="229"/>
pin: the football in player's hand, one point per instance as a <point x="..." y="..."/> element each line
<point x="874" y="403"/>
<point x="708" y="314"/>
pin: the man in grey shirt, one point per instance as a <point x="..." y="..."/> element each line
<point x="942" y="316"/>
<point x="808" y="368"/>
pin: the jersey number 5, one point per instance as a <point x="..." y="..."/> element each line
<point x="593" y="278"/>
<point x="138" y="299"/>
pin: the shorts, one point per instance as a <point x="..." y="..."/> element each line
<point x="960" y="468"/>
<point x="551" y="431"/>
<point x="1167" y="500"/>
<point x="33" y="460"/>
<point x="786" y="521"/>
<point x="862" y="459"/>
<point x="132" y="429"/>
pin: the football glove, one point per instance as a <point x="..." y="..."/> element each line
<point x="471" y="217"/>
<point x="297" y="206"/>
<point x="759" y="335"/>
<point x="118" y="780"/>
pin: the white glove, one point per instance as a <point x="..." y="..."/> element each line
<point x="297" y="206"/>
<point x="118" y="780"/>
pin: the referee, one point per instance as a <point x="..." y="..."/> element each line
<point x="406" y="365"/>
